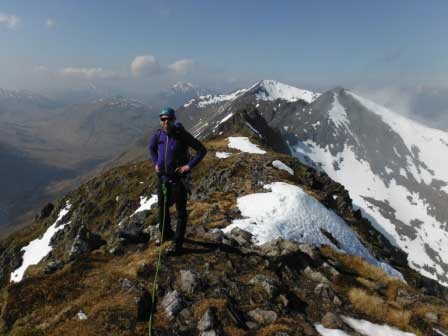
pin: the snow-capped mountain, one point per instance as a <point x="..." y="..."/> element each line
<point x="266" y="95"/>
<point x="267" y="90"/>
<point x="394" y="168"/>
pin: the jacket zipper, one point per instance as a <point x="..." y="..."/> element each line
<point x="166" y="151"/>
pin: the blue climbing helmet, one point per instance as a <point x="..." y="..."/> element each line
<point x="168" y="111"/>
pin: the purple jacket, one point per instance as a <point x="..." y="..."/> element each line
<point x="170" y="151"/>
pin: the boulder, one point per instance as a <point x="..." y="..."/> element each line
<point x="188" y="281"/>
<point x="263" y="316"/>
<point x="242" y="237"/>
<point x="153" y="232"/>
<point x="53" y="266"/>
<point x="315" y="275"/>
<point x="284" y="247"/>
<point x="131" y="231"/>
<point x="326" y="293"/>
<point x="172" y="303"/>
<point x="208" y="320"/>
<point x="332" y="321"/>
<point x="46" y="211"/>
<point x="269" y="284"/>
<point x="209" y="333"/>
<point x="84" y="242"/>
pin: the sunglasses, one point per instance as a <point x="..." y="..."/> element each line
<point x="165" y="119"/>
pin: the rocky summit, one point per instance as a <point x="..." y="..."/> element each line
<point x="274" y="247"/>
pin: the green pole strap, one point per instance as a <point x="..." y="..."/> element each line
<point x="154" y="284"/>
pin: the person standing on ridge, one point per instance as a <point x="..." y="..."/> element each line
<point x="169" y="154"/>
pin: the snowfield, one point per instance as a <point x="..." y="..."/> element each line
<point x="357" y="176"/>
<point x="288" y="212"/>
<point x="409" y="208"/>
<point x="243" y="144"/>
<point x="37" y="249"/>
<point x="273" y="90"/>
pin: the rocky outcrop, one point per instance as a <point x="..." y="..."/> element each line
<point x="84" y="242"/>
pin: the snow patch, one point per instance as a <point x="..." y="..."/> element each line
<point x="81" y="316"/>
<point x="288" y="212"/>
<point x="329" y="332"/>
<point x="243" y="144"/>
<point x="338" y="115"/>
<point x="280" y="165"/>
<point x="371" y="329"/>
<point x="37" y="249"/>
<point x="226" y="118"/>
<point x="210" y="99"/>
<point x="223" y="155"/>
<point x="146" y="203"/>
<point x="439" y="332"/>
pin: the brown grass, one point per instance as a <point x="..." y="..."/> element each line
<point x="421" y="309"/>
<point x="200" y="308"/>
<point x="362" y="301"/>
<point x="272" y="329"/>
<point x="358" y="265"/>
<point x="233" y="331"/>
<point x="376" y="308"/>
<point x="90" y="284"/>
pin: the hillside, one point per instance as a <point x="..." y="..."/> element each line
<point x="287" y="276"/>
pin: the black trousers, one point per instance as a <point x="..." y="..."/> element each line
<point x="176" y="193"/>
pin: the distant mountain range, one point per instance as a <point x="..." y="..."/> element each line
<point x="69" y="135"/>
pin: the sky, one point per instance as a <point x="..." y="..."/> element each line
<point x="141" y="46"/>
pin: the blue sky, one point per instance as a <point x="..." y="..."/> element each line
<point x="222" y="44"/>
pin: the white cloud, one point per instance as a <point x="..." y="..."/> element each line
<point x="50" y="23"/>
<point x="88" y="73"/>
<point x="182" y="66"/>
<point x="9" y="21"/>
<point x="146" y="65"/>
<point x="395" y="98"/>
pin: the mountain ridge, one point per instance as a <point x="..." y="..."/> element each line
<point x="107" y="247"/>
<point x="404" y="184"/>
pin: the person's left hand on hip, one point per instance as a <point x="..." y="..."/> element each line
<point x="183" y="169"/>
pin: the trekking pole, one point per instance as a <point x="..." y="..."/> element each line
<point x="165" y="193"/>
